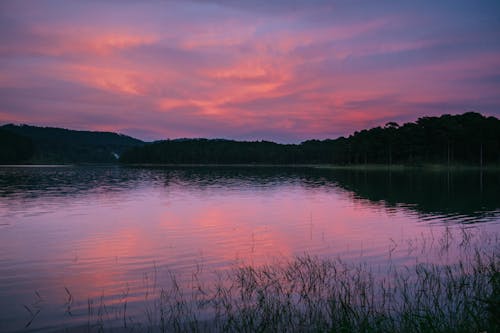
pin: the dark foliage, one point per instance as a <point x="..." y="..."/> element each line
<point x="57" y="145"/>
<point x="212" y="151"/>
<point x="14" y="148"/>
<point x="469" y="138"/>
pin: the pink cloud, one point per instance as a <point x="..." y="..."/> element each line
<point x="234" y="73"/>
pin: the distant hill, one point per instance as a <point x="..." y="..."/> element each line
<point x="215" y="151"/>
<point x="14" y="148"/>
<point x="58" y="145"/>
<point x="470" y="138"/>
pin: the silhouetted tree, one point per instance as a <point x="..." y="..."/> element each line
<point x="468" y="138"/>
<point x="58" y="145"/>
<point x="14" y="148"/>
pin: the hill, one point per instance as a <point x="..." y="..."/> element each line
<point x="14" y="148"/>
<point x="58" y="145"/>
<point x="470" y="138"/>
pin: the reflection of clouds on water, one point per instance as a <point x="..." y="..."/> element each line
<point x="95" y="229"/>
<point x="458" y="196"/>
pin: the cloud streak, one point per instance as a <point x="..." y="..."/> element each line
<point x="245" y="70"/>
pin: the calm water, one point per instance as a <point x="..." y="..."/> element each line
<point x="117" y="232"/>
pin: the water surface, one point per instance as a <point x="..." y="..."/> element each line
<point x="70" y="234"/>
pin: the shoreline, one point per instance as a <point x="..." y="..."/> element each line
<point x="367" y="167"/>
<point x="354" y="167"/>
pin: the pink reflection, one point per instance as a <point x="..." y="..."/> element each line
<point x="123" y="244"/>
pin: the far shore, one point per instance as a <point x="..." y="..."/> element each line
<point x="368" y="167"/>
<point x="365" y="167"/>
<point x="35" y="165"/>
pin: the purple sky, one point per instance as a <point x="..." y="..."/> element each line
<point x="275" y="70"/>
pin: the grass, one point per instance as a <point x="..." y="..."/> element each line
<point x="312" y="294"/>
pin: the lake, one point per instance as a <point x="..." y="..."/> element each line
<point x="71" y="236"/>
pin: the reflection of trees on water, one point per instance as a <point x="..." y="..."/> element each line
<point x="471" y="194"/>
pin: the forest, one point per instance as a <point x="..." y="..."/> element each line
<point x="32" y="144"/>
<point x="14" y="148"/>
<point x="469" y="138"/>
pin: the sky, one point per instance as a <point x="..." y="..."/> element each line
<point x="280" y="70"/>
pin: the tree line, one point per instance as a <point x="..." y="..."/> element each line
<point x="470" y="138"/>
<point x="14" y="148"/>
<point x="32" y="144"/>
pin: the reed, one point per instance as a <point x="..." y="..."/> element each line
<point x="313" y="294"/>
